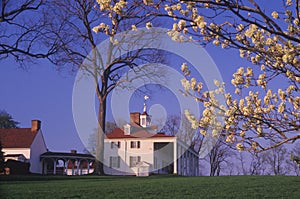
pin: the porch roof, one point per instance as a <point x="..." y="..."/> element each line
<point x="64" y="155"/>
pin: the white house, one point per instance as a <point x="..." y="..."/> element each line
<point x="138" y="150"/>
<point x="24" y="144"/>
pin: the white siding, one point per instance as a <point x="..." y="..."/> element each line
<point x="38" y="147"/>
<point x="24" y="151"/>
<point x="146" y="152"/>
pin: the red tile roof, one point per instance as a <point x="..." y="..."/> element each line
<point x="119" y="133"/>
<point x="17" y="137"/>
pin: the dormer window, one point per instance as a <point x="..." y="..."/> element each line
<point x="143" y="121"/>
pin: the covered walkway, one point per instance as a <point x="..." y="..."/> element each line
<point x="57" y="163"/>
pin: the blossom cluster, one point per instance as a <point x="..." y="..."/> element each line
<point x="112" y="9"/>
<point x="244" y="119"/>
<point x="256" y="111"/>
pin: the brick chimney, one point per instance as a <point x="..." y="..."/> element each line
<point x="73" y="151"/>
<point x="35" y="125"/>
<point x="135" y="118"/>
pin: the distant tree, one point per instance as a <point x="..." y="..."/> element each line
<point x="1" y="159"/>
<point x="294" y="161"/>
<point x="186" y="133"/>
<point x="7" y="121"/>
<point x="258" y="164"/>
<point x="171" y="125"/>
<point x="241" y="161"/>
<point x="220" y="154"/>
<point x="276" y="159"/>
<point x="92" y="140"/>
<point x="110" y="126"/>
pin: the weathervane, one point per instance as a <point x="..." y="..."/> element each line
<point x="145" y="107"/>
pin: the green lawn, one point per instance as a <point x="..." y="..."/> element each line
<point x="149" y="187"/>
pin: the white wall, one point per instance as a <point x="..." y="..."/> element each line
<point x="37" y="148"/>
<point x="24" y="151"/>
<point x="146" y="152"/>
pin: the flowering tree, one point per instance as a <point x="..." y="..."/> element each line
<point x="260" y="114"/>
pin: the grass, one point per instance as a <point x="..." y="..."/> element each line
<point x="149" y="187"/>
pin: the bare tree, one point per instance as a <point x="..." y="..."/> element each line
<point x="185" y="132"/>
<point x="80" y="26"/>
<point x="294" y="161"/>
<point x="242" y="170"/>
<point x="92" y="140"/>
<point x="218" y="156"/>
<point x="276" y="160"/>
<point x="258" y="164"/>
<point x="22" y="31"/>
<point x="171" y="125"/>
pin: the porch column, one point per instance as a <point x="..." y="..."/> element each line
<point x="178" y="158"/>
<point x="88" y="167"/>
<point x="43" y="169"/>
<point x="175" y="157"/>
<point x="195" y="165"/>
<point x="81" y="169"/>
<point x="182" y="160"/>
<point x="186" y="162"/>
<point x="65" y="167"/>
<point x="54" y="167"/>
<point x="78" y="164"/>
<point x="73" y="163"/>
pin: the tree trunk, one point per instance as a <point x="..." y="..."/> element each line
<point x="99" y="164"/>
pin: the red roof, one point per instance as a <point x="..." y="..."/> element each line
<point x="17" y="137"/>
<point x="119" y="133"/>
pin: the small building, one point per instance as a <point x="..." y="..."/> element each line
<point x="24" y="145"/>
<point x="62" y="163"/>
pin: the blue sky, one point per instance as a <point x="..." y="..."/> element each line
<point x="41" y="92"/>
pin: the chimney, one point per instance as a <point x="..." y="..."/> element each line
<point x="35" y="125"/>
<point x="127" y="129"/>
<point x="135" y="118"/>
<point x="73" y="151"/>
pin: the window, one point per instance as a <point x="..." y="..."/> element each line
<point x="134" y="160"/>
<point x="143" y="121"/>
<point x="115" y="144"/>
<point x="135" y="144"/>
<point x="114" y="161"/>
